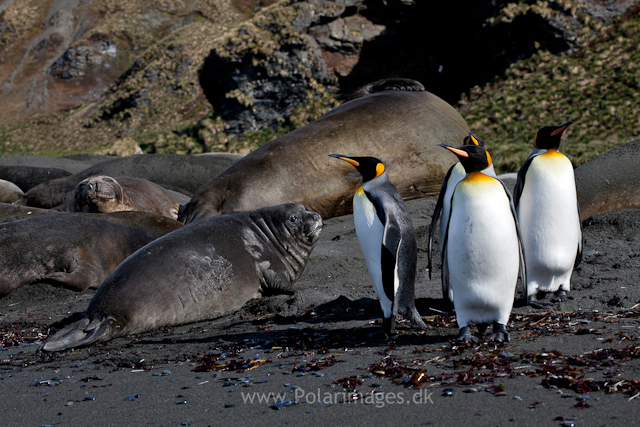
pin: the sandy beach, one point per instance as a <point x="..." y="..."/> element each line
<point x="319" y="357"/>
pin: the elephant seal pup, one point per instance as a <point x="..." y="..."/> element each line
<point x="182" y="173"/>
<point x="64" y="250"/>
<point x="103" y="194"/>
<point x="610" y="181"/>
<point x="201" y="271"/>
<point x="399" y="127"/>
<point x="9" y="192"/>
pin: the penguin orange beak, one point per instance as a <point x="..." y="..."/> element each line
<point x="561" y="128"/>
<point x="454" y="150"/>
<point x="345" y="158"/>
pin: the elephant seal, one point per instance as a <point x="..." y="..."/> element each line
<point x="158" y="225"/>
<point x="27" y="177"/>
<point x="182" y="173"/>
<point x="39" y="161"/>
<point x="201" y="271"/>
<point x="399" y="127"/>
<point x="9" y="192"/>
<point x="64" y="250"/>
<point x="104" y="194"/>
<point x="610" y="181"/>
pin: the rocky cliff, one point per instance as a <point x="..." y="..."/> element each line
<point x="211" y="75"/>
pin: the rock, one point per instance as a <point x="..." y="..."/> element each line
<point x="125" y="147"/>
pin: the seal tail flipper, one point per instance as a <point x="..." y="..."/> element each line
<point x="206" y="201"/>
<point x="81" y="333"/>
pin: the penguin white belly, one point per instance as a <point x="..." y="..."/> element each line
<point x="369" y="230"/>
<point x="549" y="223"/>
<point x="457" y="174"/>
<point x="482" y="253"/>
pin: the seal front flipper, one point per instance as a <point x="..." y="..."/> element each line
<point x="81" y="333"/>
<point x="273" y="283"/>
<point x="80" y="274"/>
<point x="77" y="280"/>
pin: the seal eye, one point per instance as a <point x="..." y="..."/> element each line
<point x="293" y="218"/>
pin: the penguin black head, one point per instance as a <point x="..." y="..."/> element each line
<point x="473" y="158"/>
<point x="369" y="167"/>
<point x="549" y="136"/>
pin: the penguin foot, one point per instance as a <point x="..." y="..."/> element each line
<point x="562" y="296"/>
<point x="500" y="333"/>
<point x="466" y="335"/>
<point x="533" y="301"/>
<point x="389" y="326"/>
<point x="415" y="319"/>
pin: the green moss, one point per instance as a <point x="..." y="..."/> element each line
<point x="596" y="87"/>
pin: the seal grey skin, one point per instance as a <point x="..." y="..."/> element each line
<point x="64" y="250"/>
<point x="103" y="194"/>
<point x="158" y="225"/>
<point x="9" y="192"/>
<point x="27" y="177"/>
<point x="182" y="173"/>
<point x="401" y="127"/>
<point x="610" y="181"/>
<point x="38" y="161"/>
<point x="198" y="272"/>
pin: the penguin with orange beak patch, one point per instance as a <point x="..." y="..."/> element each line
<point x="387" y="240"/>
<point x="482" y="251"/>
<point x="546" y="201"/>
<point x="454" y="175"/>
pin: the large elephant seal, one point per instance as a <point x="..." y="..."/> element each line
<point x="177" y="172"/>
<point x="399" y="127"/>
<point x="198" y="272"/>
<point x="610" y="181"/>
<point x="72" y="165"/>
<point x="158" y="225"/>
<point x="104" y="194"/>
<point x="64" y="250"/>
<point x="27" y="177"/>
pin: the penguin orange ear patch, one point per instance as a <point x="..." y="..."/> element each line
<point x="379" y="169"/>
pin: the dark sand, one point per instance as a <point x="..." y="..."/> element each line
<point x="327" y="337"/>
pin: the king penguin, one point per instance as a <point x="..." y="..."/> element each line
<point x="454" y="175"/>
<point x="482" y="250"/>
<point x="387" y="240"/>
<point x="549" y="216"/>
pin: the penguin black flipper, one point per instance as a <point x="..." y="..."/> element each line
<point x="522" y="173"/>
<point x="390" y="244"/>
<point x="436" y="215"/>
<point x="523" y="267"/>
<point x="445" y="263"/>
<point x="579" y="254"/>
